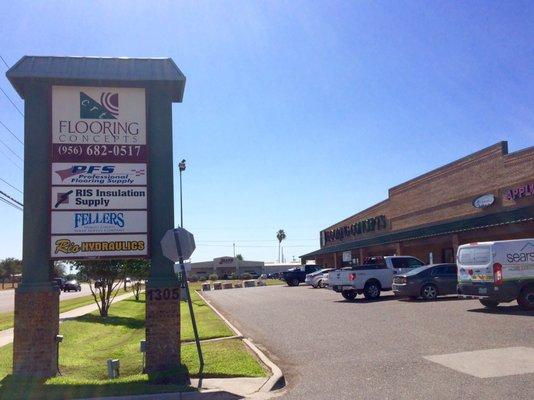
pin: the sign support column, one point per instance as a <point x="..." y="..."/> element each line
<point x="37" y="298"/>
<point x="162" y="311"/>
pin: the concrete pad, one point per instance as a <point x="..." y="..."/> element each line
<point x="492" y="363"/>
<point x="236" y="386"/>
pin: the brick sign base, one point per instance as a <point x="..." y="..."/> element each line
<point x="162" y="333"/>
<point x="36" y="327"/>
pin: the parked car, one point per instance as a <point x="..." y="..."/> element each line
<point x="326" y="281"/>
<point x="428" y="282"/>
<point x="72" y="285"/>
<point x="315" y="279"/>
<point x="60" y="282"/>
<point x="498" y="272"/>
<point x="371" y="278"/>
<point x="297" y="275"/>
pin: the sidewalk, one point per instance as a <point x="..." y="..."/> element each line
<point x="6" y="336"/>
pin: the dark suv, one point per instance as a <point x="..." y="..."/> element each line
<point x="297" y="275"/>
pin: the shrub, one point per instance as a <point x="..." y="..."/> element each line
<point x="193" y="278"/>
<point x="233" y="275"/>
<point x="202" y="278"/>
<point x="246" y="275"/>
<point x="213" y="277"/>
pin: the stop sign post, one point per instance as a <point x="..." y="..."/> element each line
<point x="177" y="245"/>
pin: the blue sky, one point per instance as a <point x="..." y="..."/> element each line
<point x="297" y="114"/>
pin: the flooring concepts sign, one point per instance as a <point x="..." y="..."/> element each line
<point x="98" y="196"/>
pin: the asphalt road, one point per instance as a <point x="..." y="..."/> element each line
<point x="7" y="297"/>
<point x="331" y="348"/>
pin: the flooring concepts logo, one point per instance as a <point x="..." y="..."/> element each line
<point x="107" y="108"/>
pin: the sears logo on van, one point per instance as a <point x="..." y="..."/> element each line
<point x="524" y="255"/>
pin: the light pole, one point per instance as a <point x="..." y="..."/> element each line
<point x="181" y="167"/>
<point x="185" y="285"/>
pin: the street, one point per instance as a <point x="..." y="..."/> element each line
<point x="331" y="348"/>
<point x="7" y="297"/>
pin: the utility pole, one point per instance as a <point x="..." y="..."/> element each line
<point x="234" y="250"/>
<point x="181" y="167"/>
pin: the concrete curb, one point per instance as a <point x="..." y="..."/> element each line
<point x="276" y="372"/>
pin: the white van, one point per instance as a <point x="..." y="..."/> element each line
<point x="497" y="272"/>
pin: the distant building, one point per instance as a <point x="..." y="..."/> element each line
<point x="227" y="265"/>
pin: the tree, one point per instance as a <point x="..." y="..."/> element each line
<point x="137" y="270"/>
<point x="280" y="235"/>
<point x="239" y="257"/>
<point x="104" y="277"/>
<point x="9" y="267"/>
<point x="59" y="268"/>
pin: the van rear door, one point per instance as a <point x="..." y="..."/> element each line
<point x="475" y="264"/>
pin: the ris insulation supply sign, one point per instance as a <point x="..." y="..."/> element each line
<point x="98" y="196"/>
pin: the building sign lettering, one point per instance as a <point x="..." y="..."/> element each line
<point x="358" y="228"/>
<point x="520" y="192"/>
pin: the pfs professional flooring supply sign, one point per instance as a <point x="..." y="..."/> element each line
<point x="98" y="170"/>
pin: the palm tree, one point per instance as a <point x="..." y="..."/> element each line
<point x="280" y="235"/>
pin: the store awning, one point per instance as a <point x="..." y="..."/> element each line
<point x="468" y="224"/>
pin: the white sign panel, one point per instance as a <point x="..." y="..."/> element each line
<point x="98" y="174"/>
<point x="98" y="115"/>
<point x="99" y="221"/>
<point x="347" y="256"/>
<point x="98" y="198"/>
<point x="94" y="246"/>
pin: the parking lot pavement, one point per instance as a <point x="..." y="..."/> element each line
<point x="331" y="348"/>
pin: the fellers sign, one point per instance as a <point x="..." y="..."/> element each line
<point x="98" y="196"/>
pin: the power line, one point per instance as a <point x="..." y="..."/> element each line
<point x="10" y="204"/>
<point x="9" y="184"/>
<point x="11" y="150"/>
<point x="252" y="246"/>
<point x="10" y="131"/>
<point x="8" y="157"/>
<point x="11" y="198"/>
<point x="4" y="61"/>
<point x="12" y="102"/>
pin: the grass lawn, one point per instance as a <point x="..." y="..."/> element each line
<point x="90" y="340"/>
<point x="6" y="319"/>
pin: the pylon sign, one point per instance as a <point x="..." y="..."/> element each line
<point x="98" y="185"/>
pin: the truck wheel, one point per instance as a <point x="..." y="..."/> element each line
<point x="526" y="298"/>
<point x="489" y="303"/>
<point x="294" y="282"/>
<point x="349" y="295"/>
<point x="429" y="292"/>
<point x="371" y="291"/>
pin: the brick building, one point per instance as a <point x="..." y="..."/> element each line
<point x="488" y="195"/>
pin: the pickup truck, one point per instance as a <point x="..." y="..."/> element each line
<point x="372" y="277"/>
<point x="297" y="275"/>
